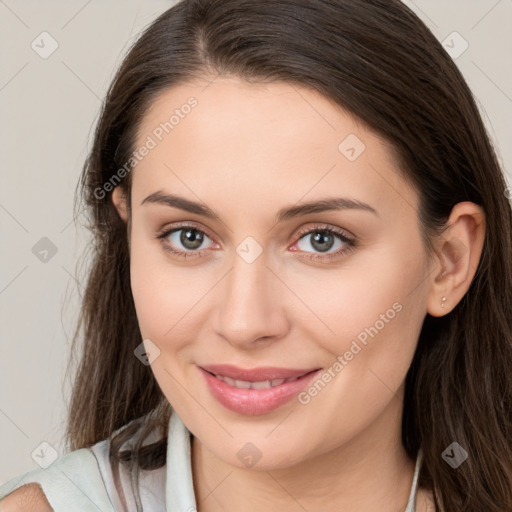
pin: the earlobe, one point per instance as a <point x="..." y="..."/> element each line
<point x="460" y="249"/>
<point x="119" y="200"/>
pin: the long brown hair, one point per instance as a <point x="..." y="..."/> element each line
<point x="379" y="61"/>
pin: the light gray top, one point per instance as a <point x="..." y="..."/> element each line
<point x="82" y="480"/>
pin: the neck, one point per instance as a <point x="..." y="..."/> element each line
<point x="369" y="473"/>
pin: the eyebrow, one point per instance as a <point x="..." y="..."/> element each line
<point x="322" y="205"/>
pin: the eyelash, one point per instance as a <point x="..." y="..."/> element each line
<point x="350" y="243"/>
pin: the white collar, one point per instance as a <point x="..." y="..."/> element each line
<point x="179" y="490"/>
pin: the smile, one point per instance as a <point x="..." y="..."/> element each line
<point x="260" y="391"/>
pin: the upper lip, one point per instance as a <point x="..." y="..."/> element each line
<point x="256" y="374"/>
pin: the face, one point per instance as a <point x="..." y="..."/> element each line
<point x="338" y="293"/>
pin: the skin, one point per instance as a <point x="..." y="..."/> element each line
<point x="246" y="151"/>
<point x="28" y="498"/>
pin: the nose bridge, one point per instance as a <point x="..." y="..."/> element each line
<point x="249" y="306"/>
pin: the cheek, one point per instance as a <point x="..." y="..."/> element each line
<point x="376" y="322"/>
<point x="371" y="313"/>
<point x="379" y="288"/>
<point x="168" y="297"/>
<point x="157" y="290"/>
<point x="163" y="301"/>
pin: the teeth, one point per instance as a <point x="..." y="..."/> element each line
<point x="244" y="384"/>
<point x="229" y="380"/>
<point x="261" y="385"/>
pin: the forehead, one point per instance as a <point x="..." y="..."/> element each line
<point x="270" y="139"/>
<point x="227" y="106"/>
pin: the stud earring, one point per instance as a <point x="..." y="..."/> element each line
<point x="442" y="303"/>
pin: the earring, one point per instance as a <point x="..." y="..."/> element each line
<point x="442" y="303"/>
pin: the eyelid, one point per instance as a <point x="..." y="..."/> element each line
<point x="188" y="224"/>
<point x="325" y="227"/>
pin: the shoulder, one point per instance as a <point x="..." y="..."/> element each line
<point x="27" y="498"/>
<point x="80" y="479"/>
<point x="71" y="482"/>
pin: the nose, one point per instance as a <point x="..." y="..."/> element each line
<point x="250" y="306"/>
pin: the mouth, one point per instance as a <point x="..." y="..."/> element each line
<point x="256" y="375"/>
<point x="255" y="391"/>
<point x="261" y="384"/>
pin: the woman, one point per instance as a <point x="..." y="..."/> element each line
<point x="300" y="297"/>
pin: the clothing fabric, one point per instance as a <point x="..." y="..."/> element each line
<point x="82" y="480"/>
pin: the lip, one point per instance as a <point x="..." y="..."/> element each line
<point x="253" y="402"/>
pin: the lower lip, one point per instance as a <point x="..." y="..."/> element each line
<point x="252" y="402"/>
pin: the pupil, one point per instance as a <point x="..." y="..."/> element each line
<point x="191" y="238"/>
<point x="319" y="241"/>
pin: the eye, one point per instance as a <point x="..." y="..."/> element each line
<point x="322" y="239"/>
<point x="184" y="241"/>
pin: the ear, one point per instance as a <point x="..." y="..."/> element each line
<point x="459" y="249"/>
<point x="119" y="200"/>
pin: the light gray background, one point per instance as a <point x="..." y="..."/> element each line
<point x="48" y="108"/>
